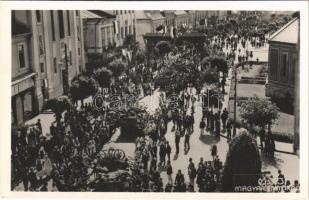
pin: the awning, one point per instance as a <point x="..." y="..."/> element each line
<point x="23" y="83"/>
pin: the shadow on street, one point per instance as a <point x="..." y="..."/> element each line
<point x="209" y="139"/>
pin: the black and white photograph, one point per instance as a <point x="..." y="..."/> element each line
<point x="200" y="101"/>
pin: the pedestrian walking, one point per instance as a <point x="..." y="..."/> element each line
<point x="191" y="172"/>
<point x="169" y="172"/>
<point x="168" y="151"/>
<point x="177" y="140"/>
<point x="187" y="141"/>
<point x="224" y="117"/>
<point x="202" y="127"/>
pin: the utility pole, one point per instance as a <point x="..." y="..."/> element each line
<point x="235" y="100"/>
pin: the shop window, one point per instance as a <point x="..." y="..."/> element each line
<point x="38" y="16"/>
<point x="284" y="64"/>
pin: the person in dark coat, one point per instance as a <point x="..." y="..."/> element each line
<point x="191" y="172"/>
<point x="224" y="117"/>
<point x="169" y="172"/>
<point x="168" y="151"/>
<point x="177" y="141"/>
<point x="187" y="141"/>
<point x="179" y="180"/>
<point x="202" y="126"/>
<point x="39" y="125"/>
<point x="162" y="153"/>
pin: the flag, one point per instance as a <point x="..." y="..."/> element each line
<point x="172" y="32"/>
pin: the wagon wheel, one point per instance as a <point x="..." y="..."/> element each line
<point x="110" y="153"/>
<point x="103" y="154"/>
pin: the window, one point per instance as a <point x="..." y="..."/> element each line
<point x="80" y="68"/>
<point x="69" y="24"/>
<point x="79" y="51"/>
<point x="120" y="12"/>
<point x="38" y="16"/>
<point x="52" y="25"/>
<point x="273" y="64"/>
<point x="116" y="12"/>
<point x="130" y="29"/>
<point x="41" y="46"/>
<point x="77" y="13"/>
<point x="103" y="37"/>
<point x="55" y="66"/>
<point x="125" y="12"/>
<point x="121" y="32"/>
<point x="129" y="11"/>
<point x="284" y="64"/>
<point x="126" y="31"/>
<point x="21" y="55"/>
<point x="61" y="24"/>
<point x="42" y="67"/>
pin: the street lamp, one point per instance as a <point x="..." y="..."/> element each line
<point x="235" y="92"/>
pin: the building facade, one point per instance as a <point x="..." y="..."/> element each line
<point x="181" y="18"/>
<point x="283" y="56"/>
<point x="51" y="49"/>
<point x="125" y="24"/>
<point x="149" y="22"/>
<point x="283" y="71"/>
<point x="99" y="31"/>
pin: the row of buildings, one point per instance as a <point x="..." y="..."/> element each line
<point x="47" y="52"/>
<point x="109" y="28"/>
<point x="50" y="47"/>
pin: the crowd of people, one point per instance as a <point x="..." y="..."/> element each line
<point x="148" y="168"/>
<point x="67" y="156"/>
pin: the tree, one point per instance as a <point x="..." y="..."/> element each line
<point x="242" y="165"/>
<point x="117" y="66"/>
<point x="129" y="41"/>
<point x="82" y="87"/>
<point x="210" y="75"/>
<point x="103" y="76"/>
<point x="58" y="106"/>
<point x="95" y="61"/>
<point x="163" y="48"/>
<point x="219" y="62"/>
<point x="259" y="112"/>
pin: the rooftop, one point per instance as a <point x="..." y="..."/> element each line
<point x="180" y="12"/>
<point x="287" y="34"/>
<point x="153" y="15"/>
<point x="103" y="14"/>
<point x="89" y="15"/>
<point x="19" y="28"/>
